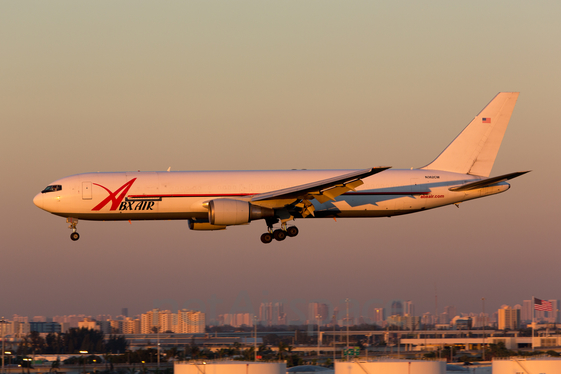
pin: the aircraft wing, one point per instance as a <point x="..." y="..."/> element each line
<point x="487" y="182"/>
<point x="322" y="190"/>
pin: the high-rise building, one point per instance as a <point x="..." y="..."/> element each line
<point x="116" y="326"/>
<point x="397" y="308"/>
<point x="131" y="326"/>
<point x="237" y="319"/>
<point x="279" y="316"/>
<point x="266" y="314"/>
<point x="18" y="318"/>
<point x="409" y="308"/>
<point x="125" y="312"/>
<point x="404" y="322"/>
<point x="451" y="311"/>
<point x="167" y="321"/>
<point x="379" y="316"/>
<point x="553" y="316"/>
<point x="427" y="319"/>
<point x="148" y="321"/>
<point x="509" y="318"/>
<point x="316" y="310"/>
<point x="526" y="311"/>
<point x="190" y="322"/>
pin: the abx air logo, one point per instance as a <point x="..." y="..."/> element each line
<point x="113" y="198"/>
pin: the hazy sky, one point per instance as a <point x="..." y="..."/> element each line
<point x="205" y="85"/>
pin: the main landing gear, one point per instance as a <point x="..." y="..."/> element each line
<point x="73" y="222"/>
<point x="279" y="234"/>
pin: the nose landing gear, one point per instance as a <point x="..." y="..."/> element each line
<point x="73" y="222"/>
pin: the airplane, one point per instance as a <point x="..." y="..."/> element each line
<point x="215" y="200"/>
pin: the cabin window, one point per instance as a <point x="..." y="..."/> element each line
<point x="52" y="188"/>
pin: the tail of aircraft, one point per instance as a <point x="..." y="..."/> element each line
<point x="475" y="149"/>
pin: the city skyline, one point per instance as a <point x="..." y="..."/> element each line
<point x="107" y="86"/>
<point x="269" y="317"/>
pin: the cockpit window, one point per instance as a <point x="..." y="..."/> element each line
<point x="52" y="188"/>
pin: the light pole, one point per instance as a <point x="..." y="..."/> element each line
<point x="83" y="362"/>
<point x="347" y="301"/>
<point x="318" y="318"/>
<point x="2" y="323"/>
<point x="484" y="327"/>
<point x="158" y="330"/>
<point x="255" y="338"/>
<point x="334" y="341"/>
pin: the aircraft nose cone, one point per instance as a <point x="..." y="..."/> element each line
<point x="38" y="200"/>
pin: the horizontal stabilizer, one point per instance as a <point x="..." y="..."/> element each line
<point x="487" y="182"/>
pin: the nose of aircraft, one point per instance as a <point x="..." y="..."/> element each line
<point x="38" y="200"/>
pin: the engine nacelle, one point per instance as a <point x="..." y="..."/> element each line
<point x="226" y="212"/>
<point x="204" y="225"/>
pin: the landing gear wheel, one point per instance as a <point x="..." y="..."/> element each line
<point x="74" y="236"/>
<point x="266" y="238"/>
<point x="292" y="231"/>
<point x="279" y="235"/>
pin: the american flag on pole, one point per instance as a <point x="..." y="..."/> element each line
<point x="543" y="305"/>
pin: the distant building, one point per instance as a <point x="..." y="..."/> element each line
<point x="130" y="326"/>
<point x="397" y="308"/>
<point x="89" y="324"/>
<point x="509" y="318"/>
<point x="526" y="311"/>
<point x="125" y="312"/>
<point x="237" y="319"/>
<point x="44" y="327"/>
<point x="183" y="322"/>
<point x="379" y="317"/>
<point x="18" y="318"/>
<point x="316" y="310"/>
<point x="462" y="323"/>
<point x="409" y="308"/>
<point x="279" y="316"/>
<point x="451" y="311"/>
<point x="116" y="326"/>
<point x="404" y="322"/>
<point x="266" y="314"/>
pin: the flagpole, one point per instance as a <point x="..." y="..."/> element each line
<point x="533" y="320"/>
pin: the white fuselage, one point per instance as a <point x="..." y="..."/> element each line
<point x="182" y="195"/>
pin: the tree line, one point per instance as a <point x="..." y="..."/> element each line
<point x="73" y="341"/>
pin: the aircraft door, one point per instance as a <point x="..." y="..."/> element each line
<point x="86" y="190"/>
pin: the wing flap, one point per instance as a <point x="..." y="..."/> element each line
<point x="331" y="193"/>
<point x="326" y="189"/>
<point x="487" y="182"/>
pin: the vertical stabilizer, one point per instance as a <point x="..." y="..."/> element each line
<point x="475" y="149"/>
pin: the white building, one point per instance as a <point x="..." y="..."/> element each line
<point x="541" y="365"/>
<point x="229" y="367"/>
<point x="389" y="366"/>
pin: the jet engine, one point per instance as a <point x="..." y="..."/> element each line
<point x="204" y="225"/>
<point x="225" y="212"/>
